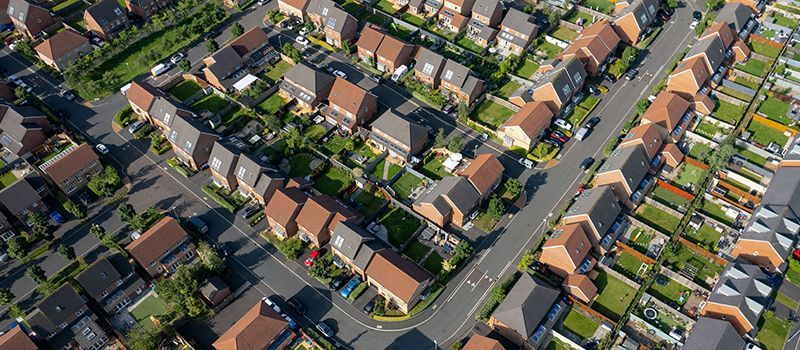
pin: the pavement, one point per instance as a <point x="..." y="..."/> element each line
<point x="452" y="315"/>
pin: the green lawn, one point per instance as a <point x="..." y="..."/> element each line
<point x="400" y="224"/>
<point x="470" y="45"/>
<point x="615" y="296"/>
<point x="669" y="198"/>
<point x="417" y="21"/>
<point x="335" y="145"/>
<point x="679" y="257"/>
<point x="746" y="82"/>
<point x="63" y="5"/>
<point x="580" y="325"/>
<point x="385" y="6"/>
<point x="775" y="109"/>
<point x="211" y="103"/>
<point x="405" y="185"/>
<point x="550" y="50"/>
<point x="433" y="168"/>
<point x="184" y="89"/>
<point x="728" y="112"/>
<point x="315" y="132"/>
<point x="379" y="170"/>
<point x="575" y="15"/>
<point x="399" y="31"/>
<point x="233" y="114"/>
<point x="752" y="157"/>
<point x="708" y="130"/>
<point x="689" y="174"/>
<point x="150" y="306"/>
<point x="271" y="105"/>
<point x="782" y="20"/>
<point x="705" y="236"/>
<point x="640" y="240"/>
<point x="754" y="67"/>
<point x="416" y="251"/>
<point x="697" y="150"/>
<point x="369" y="203"/>
<point x="433" y="263"/>
<point x="564" y="34"/>
<point x="527" y="69"/>
<point x="300" y="165"/>
<point x="764" y="134"/>
<point x="773" y="331"/>
<point x="508" y="89"/>
<point x="765" y="49"/>
<point x="577" y="115"/>
<point x="277" y="71"/>
<point x="785" y="300"/>
<point x="492" y="114"/>
<point x="793" y="272"/>
<point x="7" y="179"/>
<point x="715" y="212"/>
<point x="603" y="6"/>
<point x="630" y="265"/>
<point x="333" y="181"/>
<point x="670" y="291"/>
<point x="657" y="219"/>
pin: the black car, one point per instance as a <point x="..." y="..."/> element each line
<point x="297" y="305"/>
<point x="326" y="330"/>
<point x="553" y="142"/>
<point x="593" y="121"/>
<point x="85" y="197"/>
<point x="224" y="249"/>
<point x="371" y="304"/>
<point x="376" y="78"/>
<point x="249" y="212"/>
<point x="663" y="15"/>
<point x="631" y="74"/>
<point x="587" y="163"/>
<point x="697" y="15"/>
<point x="338" y="281"/>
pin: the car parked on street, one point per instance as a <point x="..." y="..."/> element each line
<point x="326" y="330"/>
<point x="345" y="292"/>
<point x="297" y="305"/>
<point x="197" y="224"/>
<point x="587" y="163"/>
<point x="631" y="74"/>
<point x="224" y="249"/>
<point x="177" y="58"/>
<point x="593" y="121"/>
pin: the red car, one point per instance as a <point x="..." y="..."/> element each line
<point x="311" y="257"/>
<point x="559" y="136"/>
<point x="796" y="253"/>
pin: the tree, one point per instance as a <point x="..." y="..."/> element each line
<point x="719" y="159"/>
<point x="107" y="183"/>
<point x="16" y="247"/>
<point x="629" y="54"/>
<point x="641" y="106"/>
<point x="458" y="345"/>
<point x="16" y="312"/>
<point x="322" y="267"/>
<point x="97" y="231"/>
<point x="463" y="250"/>
<point x="6" y="296"/>
<point x="672" y="4"/>
<point x="237" y="30"/>
<point x="39" y="227"/>
<point x="456" y="144"/>
<point x="526" y="261"/>
<point x="211" y="45"/>
<point x="140" y="339"/>
<point x="553" y="18"/>
<point x="291" y="247"/>
<point x="20" y="92"/>
<point x="463" y="112"/>
<point x="36" y="273"/>
<point x="126" y="212"/>
<point x="527" y="9"/>
<point x="496" y="208"/>
<point x="77" y="210"/>
<point x="256" y="89"/>
<point x="185" y="65"/>
<point x="514" y="187"/>
<point x="66" y="251"/>
<point x="441" y="139"/>
<point x="209" y="258"/>
<point x="347" y="47"/>
<point x="290" y="51"/>
<point x="712" y="5"/>
<point x="295" y="141"/>
<point x="180" y="292"/>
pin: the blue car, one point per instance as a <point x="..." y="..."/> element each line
<point x="56" y="216"/>
<point x="345" y="292"/>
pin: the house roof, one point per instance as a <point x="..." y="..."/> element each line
<point x="429" y="63"/>
<point x="394" y="49"/>
<point x="223" y="62"/>
<point x="712" y="49"/>
<point x="784" y="189"/>
<point x="400" y="129"/>
<point x="16" y="339"/>
<point x="487" y="8"/>
<point x="55" y="309"/>
<point x="519" y="22"/>
<point x="666" y="110"/>
<point x="166" y="111"/>
<point x="643" y="11"/>
<point x="598" y="41"/>
<point x="526" y="305"/>
<point x="672" y="151"/>
<point x="696" y="67"/>
<point x="35" y="18"/>
<point x="20" y="195"/>
<point x="61" y="44"/>
<point x="321" y="213"/>
<point x="259" y="328"/>
<point x="223" y="158"/>
<point x="451" y="192"/>
<point x="333" y="16"/>
<point x="267" y="180"/>
<point x="649" y="135"/>
<point x="156" y="241"/>
<point x="19" y="124"/>
<point x="348" y="238"/>
<point x="582" y="283"/>
<point x="735" y="14"/>
<point x="371" y="38"/>
<point x="98" y="277"/>
<point x="631" y="162"/>
<point x="397" y="274"/>
<point x="186" y="133"/>
<point x="310" y="79"/>
<point x="744" y="287"/>
<point x="477" y="342"/>
<point x="722" y="30"/>
<point x="142" y="94"/>
<point x="249" y="41"/>
<point x="285" y="204"/>
<point x="455" y="73"/>
<point x="573" y="239"/>
<point x="215" y="290"/>
<point x="483" y="172"/>
<point x="773" y="224"/>
<point x="298" y="4"/>
<point x="600" y="204"/>
<point x="248" y="170"/>
<point x="106" y="11"/>
<point x="713" y="334"/>
<point x="78" y="158"/>
<point x="532" y="118"/>
<point x="351" y="98"/>
<point x="566" y="77"/>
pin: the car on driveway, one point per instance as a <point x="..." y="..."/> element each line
<point x="135" y="126"/>
<point x="561" y="123"/>
<point x="311" y="258"/>
<point x="66" y="94"/>
<point x="249" y="212"/>
<point x="448" y="108"/>
<point x="177" y="58"/>
<point x="345" y="292"/>
<point x="526" y="163"/>
<point x="371" y="304"/>
<point x="340" y="74"/>
<point x="297" y="305"/>
<point x="338" y="281"/>
<point x="272" y="304"/>
<point x="197" y="224"/>
<point x="301" y="40"/>
<point x="559" y="136"/>
<point x="326" y="330"/>
<point x="376" y="78"/>
<point x="224" y="249"/>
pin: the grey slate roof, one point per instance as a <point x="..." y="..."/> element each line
<point x="226" y="61"/>
<point x="186" y="132"/>
<point x="429" y="63"/>
<point x="310" y="79"/>
<point x="486" y="33"/>
<point x="644" y="12"/>
<point x="526" y="305"/>
<point x="714" y="50"/>
<point x="793" y="151"/>
<point x="457" y="191"/>
<point x="773" y="224"/>
<point x="356" y="244"/>
<point x="98" y="277"/>
<point x="55" y="309"/>
<point x="486" y="7"/>
<point x="165" y="110"/>
<point x="736" y="14"/>
<point x="784" y="189"/>
<point x="630" y="161"/>
<point x="743" y="286"/>
<point x="248" y="170"/>
<point x="106" y="11"/>
<point x="20" y="195"/>
<point x="366" y="252"/>
<point x="400" y="129"/>
<point x="713" y="334"/>
<point x="227" y="156"/>
<point x="455" y="73"/>
<point x="600" y="204"/>
<point x="17" y="122"/>
<point x="334" y="17"/>
<point x="567" y="78"/>
<point x="521" y="22"/>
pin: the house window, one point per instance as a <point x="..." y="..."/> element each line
<point x="7" y="235"/>
<point x="173" y="135"/>
<point x="338" y="242"/>
<point x="71" y="188"/>
<point x="167" y="116"/>
<point x="566" y="89"/>
<point x="189" y="255"/>
<point x="240" y="173"/>
<point x="216" y="163"/>
<point x="576" y="78"/>
<point x="448" y="75"/>
<point x="103" y="294"/>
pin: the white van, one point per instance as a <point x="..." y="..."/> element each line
<point x="124" y="89"/>
<point x="160" y="69"/>
<point x="582" y="133"/>
<point x="399" y="72"/>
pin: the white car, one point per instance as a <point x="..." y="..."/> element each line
<point x="303" y="31"/>
<point x="301" y="40"/>
<point x="177" y="58"/>
<point x="272" y="304"/>
<point x="526" y="163"/>
<point x="340" y="74"/>
<point x="693" y="25"/>
<point x="101" y="148"/>
<point x="561" y="123"/>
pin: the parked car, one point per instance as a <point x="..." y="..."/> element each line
<point x="297" y="305"/>
<point x="85" y="197"/>
<point x="593" y="90"/>
<point x="301" y="40"/>
<point x="663" y="15"/>
<point x="340" y="74"/>
<point x="303" y="31"/>
<point x="376" y="78"/>
<point x="345" y="292"/>
<point x="448" y="108"/>
<point x="177" y="58"/>
<point x="249" y="212"/>
<point x="271" y="304"/>
<point x="693" y="24"/>
<point x="582" y="133"/>
<point x="338" y="281"/>
<point x="135" y="126"/>
<point x="311" y="258"/>
<point x="66" y="94"/>
<point x="328" y="68"/>
<point x="224" y="249"/>
<point x="371" y="304"/>
<point x="559" y="135"/>
<point x="197" y="224"/>
<point x="526" y="163"/>
<point x="587" y="163"/>
<point x="631" y="74"/>
<point x="561" y="123"/>
<point x="697" y="15"/>
<point x="554" y="141"/>
<point x="101" y="148"/>
<point x="326" y="330"/>
<point x="593" y="121"/>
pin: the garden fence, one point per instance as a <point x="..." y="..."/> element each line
<point x="595" y="13"/>
<point x="683" y="280"/>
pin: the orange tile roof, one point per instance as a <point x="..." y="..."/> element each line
<point x="61" y="44"/>
<point x="371" y="38"/>
<point x="392" y="48"/>
<point x="597" y="42"/>
<point x="722" y="30"/>
<point x="16" y="339"/>
<point x="71" y="163"/>
<point x="285" y="204"/>
<point x="581" y="283"/>
<point x="573" y="239"/>
<point x="667" y="109"/>
<point x="349" y="97"/>
<point x="484" y="172"/>
<point x="695" y="66"/>
<point x="249" y="41"/>
<point x="256" y="329"/>
<point x="298" y="4"/>
<point x="322" y="213"/>
<point x="673" y="154"/>
<point x="397" y="274"/>
<point x="532" y="118"/>
<point x="156" y="241"/>
<point x="477" y="342"/>
<point x="142" y="95"/>
<point x="649" y="135"/>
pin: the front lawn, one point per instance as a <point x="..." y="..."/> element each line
<point x="775" y="109"/>
<point x="416" y="251"/>
<point x="527" y="69"/>
<point x="689" y="174"/>
<point x="669" y="290"/>
<point x="508" y="89"/>
<point x="400" y="224"/>
<point x="184" y="89"/>
<point x="657" y="218"/>
<point x="433" y="168"/>
<point x="580" y="325"/>
<point x="764" y="134"/>
<point x="405" y="185"/>
<point x="772" y="331"/>
<point x="7" y="179"/>
<point x="211" y="103"/>
<point x="379" y="171"/>
<point x="754" y="67"/>
<point x="277" y="70"/>
<point x="151" y="306"/>
<point x="492" y="114"/>
<point x="615" y="296"/>
<point x="669" y="198"/>
<point x="333" y="181"/>
<point x="728" y="112"/>
<point x="564" y="34"/>
<point x="271" y="105"/>
<point x="679" y="257"/>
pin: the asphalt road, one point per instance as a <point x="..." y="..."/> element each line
<point x="452" y="315"/>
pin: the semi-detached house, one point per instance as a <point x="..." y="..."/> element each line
<point x="106" y="18"/>
<point x="399" y="280"/>
<point x="597" y="211"/>
<point x="162" y="248"/>
<point x="402" y="139"/>
<point x="517" y="31"/>
<point x="349" y="106"/>
<point x="561" y="81"/>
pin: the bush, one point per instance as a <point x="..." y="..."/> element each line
<point x="291" y="247"/>
<point x="211" y="192"/>
<point x="107" y="183"/>
<point x="124" y="116"/>
<point x="499" y="293"/>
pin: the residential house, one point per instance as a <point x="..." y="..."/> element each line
<point x="673" y="156"/>
<point x="593" y="47"/>
<point x="222" y="162"/>
<point x="141" y="97"/>
<point x="516" y="32"/>
<point x="528" y="312"/>
<point x="6" y="89"/>
<point x="105" y="18"/>
<point x="580" y="286"/>
<point x="259" y="328"/>
<point x="112" y="283"/>
<point x="215" y="291"/>
<point x="451" y="20"/>
<point x="72" y="169"/>
<point x="22" y="128"/>
<point x="66" y="322"/>
<point x="428" y="67"/>
<point x="223" y="67"/>
<point x="451" y="200"/>
<point x="145" y="9"/>
<point x="28" y="18"/>
<point x="689" y="78"/>
<point x="320" y="215"/>
<point x="625" y="171"/>
<point x="478" y="342"/>
<point x="17" y="339"/>
<point x="671" y="112"/>
<point x="739" y="18"/>
<point x="62" y="49"/>
<point x="306" y="85"/>
<point x="338" y="25"/>
<point x="293" y="8"/>
<point x="459" y="83"/>
<point x="282" y="211"/>
<point x="162" y="248"/>
<point x="163" y="113"/>
<point x="713" y="52"/>
<point x="25" y="196"/>
<point x="560" y="82"/>
<point x="399" y="280"/>
<point x="353" y="247"/>
<point x="368" y="43"/>
<point x="650" y="136"/>
<point x="634" y="18"/>
<point x="484" y="173"/>
<point x="6" y="231"/>
<point x="527" y="126"/>
<point x="350" y="106"/>
<point x="596" y="210"/>
<point x="740" y="296"/>
<point x="713" y="334"/>
<point x="393" y="53"/>
<point x="486" y="16"/>
<point x="256" y="180"/>
<point x="191" y="141"/>
<point x="567" y="251"/>
<point x="403" y="139"/>
<point x="757" y="6"/>
<point x="417" y="8"/>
